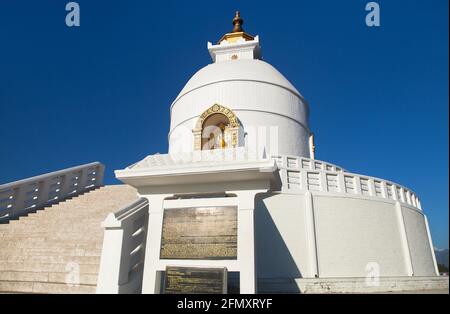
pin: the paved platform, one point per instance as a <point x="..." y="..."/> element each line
<point x="442" y="291"/>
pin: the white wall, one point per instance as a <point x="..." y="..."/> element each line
<point x="256" y="104"/>
<point x="350" y="233"/>
<point x="281" y="248"/>
<point x="354" y="232"/>
<point x="419" y="245"/>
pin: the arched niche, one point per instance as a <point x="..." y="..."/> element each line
<point x="216" y="128"/>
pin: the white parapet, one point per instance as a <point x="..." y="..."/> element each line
<point x="20" y="197"/>
<point x="307" y="219"/>
<point x="123" y="252"/>
<point x="299" y="174"/>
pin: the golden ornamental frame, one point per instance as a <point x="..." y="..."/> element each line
<point x="233" y="129"/>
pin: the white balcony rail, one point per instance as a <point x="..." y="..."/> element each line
<point x="297" y="173"/>
<point x="123" y="252"/>
<point x="295" y="162"/>
<point x="224" y="155"/>
<point x="20" y="197"/>
<point x="300" y="174"/>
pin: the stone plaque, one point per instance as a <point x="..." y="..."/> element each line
<point x="194" y="280"/>
<point x="199" y="233"/>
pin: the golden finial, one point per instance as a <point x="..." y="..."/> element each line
<point x="238" y="32"/>
<point x="238" y="22"/>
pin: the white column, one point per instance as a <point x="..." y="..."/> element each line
<point x="384" y="188"/>
<point x="436" y="269"/>
<point x="246" y="241"/>
<point x="372" y="190"/>
<point x="323" y="181"/>
<point x="65" y="186"/>
<point x="303" y="179"/>
<point x="44" y="190"/>
<point x="358" y="190"/>
<point x="312" y="147"/>
<point x="341" y="180"/>
<point x="82" y="181"/>
<point x="110" y="262"/>
<point x="19" y="198"/>
<point x="311" y="236"/>
<point x="99" y="174"/>
<point x="404" y="239"/>
<point x="150" y="283"/>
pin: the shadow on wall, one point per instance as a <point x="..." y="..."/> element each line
<point x="274" y="262"/>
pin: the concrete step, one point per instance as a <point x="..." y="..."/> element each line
<point x="50" y="251"/>
<point x="77" y="213"/>
<point x="44" y="288"/>
<point x="28" y="227"/>
<point x="49" y="229"/>
<point x="87" y="238"/>
<point x="73" y="234"/>
<point x="64" y="278"/>
<point x="49" y="243"/>
<point x="51" y="259"/>
<point x="61" y="220"/>
<point x="90" y="221"/>
<point x="72" y="208"/>
<point x="75" y="210"/>
<point x="22" y="235"/>
<point x="48" y="267"/>
<point x="40" y="252"/>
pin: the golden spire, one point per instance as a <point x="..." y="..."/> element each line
<point x="237" y="32"/>
<point x="238" y="22"/>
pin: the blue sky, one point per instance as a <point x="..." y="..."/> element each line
<point x="102" y="91"/>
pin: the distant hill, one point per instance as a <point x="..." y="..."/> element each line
<point x="441" y="256"/>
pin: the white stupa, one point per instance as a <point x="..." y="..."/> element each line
<point x="240" y="189"/>
<point x="259" y="96"/>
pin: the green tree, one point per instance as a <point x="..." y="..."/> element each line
<point x="442" y="268"/>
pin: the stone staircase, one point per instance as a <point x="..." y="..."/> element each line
<point x="53" y="249"/>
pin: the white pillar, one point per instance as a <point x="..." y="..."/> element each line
<point x="311" y="235"/>
<point x="99" y="175"/>
<point x="65" y="186"/>
<point x="150" y="283"/>
<point x="312" y="147"/>
<point x="44" y="190"/>
<point x="404" y="239"/>
<point x="109" y="275"/>
<point x="19" y="200"/>
<point x="82" y="181"/>
<point x="436" y="269"/>
<point x="246" y="240"/>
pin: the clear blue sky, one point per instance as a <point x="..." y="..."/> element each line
<point x="378" y="96"/>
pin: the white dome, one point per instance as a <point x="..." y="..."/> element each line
<point x="271" y="111"/>
<point x="238" y="70"/>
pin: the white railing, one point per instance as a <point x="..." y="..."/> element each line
<point x="123" y="252"/>
<point x="307" y="174"/>
<point x="297" y="174"/>
<point x="191" y="158"/>
<point x="305" y="163"/>
<point x="20" y="197"/>
<point x="225" y="155"/>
